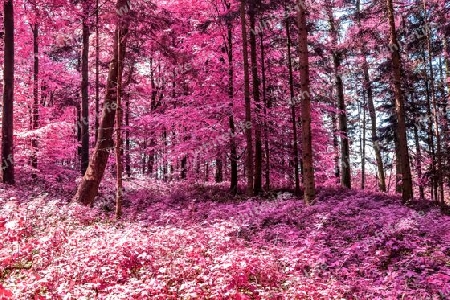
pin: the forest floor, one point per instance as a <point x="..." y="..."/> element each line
<point x="181" y="242"/>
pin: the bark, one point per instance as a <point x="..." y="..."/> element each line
<point x="219" y="168"/>
<point x="430" y="135"/>
<point x="337" y="169"/>
<point x="342" y="116"/>
<point x="307" y="151"/>
<point x="248" y="114"/>
<point x="407" y="189"/>
<point x="233" y="149"/>
<point x="257" y="188"/>
<point x="346" y="179"/>
<point x="266" y="123"/>
<point x="293" y="108"/>
<point x="127" y="137"/>
<point x="363" y="145"/>
<point x="88" y="188"/>
<point x="7" y="159"/>
<point x="35" y="109"/>
<point x="373" y="121"/>
<point x="85" y="98"/>
<point x="97" y="72"/>
<point x="418" y="162"/>
<point x="439" y="180"/>
<point x="119" y="141"/>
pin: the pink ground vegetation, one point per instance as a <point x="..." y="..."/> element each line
<point x="175" y="245"/>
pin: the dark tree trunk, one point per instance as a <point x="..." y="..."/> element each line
<point x="257" y="187"/>
<point x="127" y="137"/>
<point x="8" y="94"/>
<point x="266" y="123"/>
<point x="233" y="150"/>
<point x="407" y="188"/>
<point x="35" y="110"/>
<point x="346" y="179"/>
<point x="84" y="155"/>
<point x="307" y="151"/>
<point x="373" y="122"/>
<point x="219" y="168"/>
<point x="293" y="112"/>
<point x="119" y="120"/>
<point x="97" y="72"/>
<point x="419" y="162"/>
<point x="248" y="112"/>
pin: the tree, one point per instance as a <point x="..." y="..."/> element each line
<point x="8" y="94"/>
<point x="85" y="93"/>
<point x="403" y="157"/>
<point x="293" y="111"/>
<point x="88" y="188"/>
<point x="248" y="115"/>
<point x="307" y="151"/>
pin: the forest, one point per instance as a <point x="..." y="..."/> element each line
<point x="225" y="149"/>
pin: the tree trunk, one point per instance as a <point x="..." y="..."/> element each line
<point x="293" y="112"/>
<point x="337" y="169"/>
<point x="8" y="94"/>
<point x="248" y="113"/>
<point x="307" y="151"/>
<point x="342" y="111"/>
<point x="418" y="162"/>
<point x="88" y="188"/>
<point x="362" y="143"/>
<point x="85" y="97"/>
<point x="430" y="137"/>
<point x="127" y="137"/>
<point x="407" y="189"/>
<point x="233" y="150"/>
<point x="219" y="168"/>
<point x="266" y="123"/>
<point x="35" y="110"/>
<point x="256" y="97"/>
<point x="119" y="120"/>
<point x="439" y="181"/>
<point x="97" y="72"/>
<point x="373" y="120"/>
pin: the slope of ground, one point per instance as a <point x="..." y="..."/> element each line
<point x="349" y="245"/>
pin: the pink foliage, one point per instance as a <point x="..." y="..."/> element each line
<point x="349" y="245"/>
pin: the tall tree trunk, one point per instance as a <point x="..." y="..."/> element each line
<point x="337" y="169"/>
<point x="372" y="113"/>
<point x="293" y="112"/>
<point x="373" y="121"/>
<point x="7" y="159"/>
<point x="346" y="179"/>
<point x="362" y="144"/>
<point x="248" y="112"/>
<point x="97" y="72"/>
<point x="418" y="162"/>
<point x="233" y="150"/>
<point x="85" y="97"/>
<point x="266" y="122"/>
<point x="256" y="97"/>
<point x="35" y="110"/>
<point x="119" y="120"/>
<point x="219" y="168"/>
<point x="88" y="188"/>
<point x="307" y="151"/>
<point x="407" y="189"/>
<point x="430" y="135"/>
<point x="439" y="181"/>
<point x="127" y="137"/>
